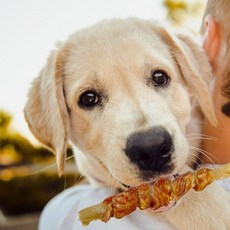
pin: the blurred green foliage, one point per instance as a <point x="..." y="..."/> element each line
<point x="16" y="149"/>
<point x="31" y="193"/>
<point x="26" y="183"/>
<point x="180" y="11"/>
<point x="5" y="120"/>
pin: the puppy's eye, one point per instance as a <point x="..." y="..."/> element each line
<point x="88" y="99"/>
<point x="160" y="78"/>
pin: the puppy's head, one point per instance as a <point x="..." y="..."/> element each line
<point x="122" y="91"/>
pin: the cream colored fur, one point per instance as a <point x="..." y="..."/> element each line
<point x="116" y="58"/>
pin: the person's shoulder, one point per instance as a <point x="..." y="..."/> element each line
<point x="61" y="212"/>
<point x="63" y="208"/>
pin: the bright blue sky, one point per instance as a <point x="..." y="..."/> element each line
<point x="30" y="29"/>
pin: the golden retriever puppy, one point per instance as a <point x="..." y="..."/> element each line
<point x="129" y="96"/>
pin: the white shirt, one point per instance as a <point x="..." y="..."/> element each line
<point x="61" y="212"/>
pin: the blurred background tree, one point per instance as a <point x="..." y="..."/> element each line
<point x="28" y="175"/>
<point x="185" y="13"/>
<point x="5" y="120"/>
<point x="17" y="150"/>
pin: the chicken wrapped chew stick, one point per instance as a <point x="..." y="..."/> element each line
<point x="152" y="195"/>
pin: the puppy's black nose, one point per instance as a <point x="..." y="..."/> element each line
<point x="150" y="150"/>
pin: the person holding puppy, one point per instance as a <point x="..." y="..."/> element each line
<point x="60" y="213"/>
<point x="216" y="42"/>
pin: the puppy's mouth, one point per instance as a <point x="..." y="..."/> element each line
<point x="170" y="177"/>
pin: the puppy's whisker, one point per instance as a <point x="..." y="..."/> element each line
<point x="194" y="136"/>
<point x="202" y="138"/>
<point x="197" y="135"/>
<point x="79" y="178"/>
<point x="98" y="164"/>
<point x="113" y="182"/>
<point x="205" y="153"/>
<point x="43" y="169"/>
<point x="95" y="164"/>
<point x="196" y="157"/>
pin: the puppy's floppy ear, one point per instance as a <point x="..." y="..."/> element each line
<point x="195" y="69"/>
<point x="46" y="111"/>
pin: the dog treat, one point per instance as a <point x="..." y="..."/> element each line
<point x="152" y="195"/>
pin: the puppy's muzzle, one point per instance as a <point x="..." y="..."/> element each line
<point x="150" y="150"/>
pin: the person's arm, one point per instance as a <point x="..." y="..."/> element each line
<point x="216" y="140"/>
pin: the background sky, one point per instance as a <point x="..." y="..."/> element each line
<point x="29" y="29"/>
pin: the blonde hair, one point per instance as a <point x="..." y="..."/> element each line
<point x="220" y="10"/>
